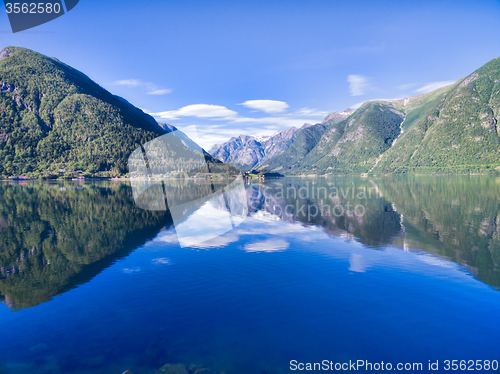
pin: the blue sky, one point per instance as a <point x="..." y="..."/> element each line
<point x="256" y="67"/>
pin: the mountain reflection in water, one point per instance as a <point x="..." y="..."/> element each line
<point x="456" y="217"/>
<point x="54" y="236"/>
<point x="392" y="269"/>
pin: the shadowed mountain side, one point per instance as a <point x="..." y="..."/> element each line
<point x="53" y="116"/>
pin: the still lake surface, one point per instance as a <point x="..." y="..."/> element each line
<point x="400" y="270"/>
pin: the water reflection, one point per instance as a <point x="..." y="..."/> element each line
<point x="56" y="236"/>
<point x="456" y="217"/>
<point x="213" y="213"/>
<point x="350" y="208"/>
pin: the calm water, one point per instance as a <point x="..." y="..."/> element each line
<point x="400" y="270"/>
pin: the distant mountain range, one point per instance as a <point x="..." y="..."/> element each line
<point x="250" y="152"/>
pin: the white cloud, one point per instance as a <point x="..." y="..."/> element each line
<point x="429" y="87"/>
<point x="358" y="84"/>
<point x="208" y="135"/>
<point x="151" y="87"/>
<point x="129" y="82"/>
<point x="268" y="106"/>
<point x="159" y="91"/>
<point x="198" y="110"/>
<point x="311" y="112"/>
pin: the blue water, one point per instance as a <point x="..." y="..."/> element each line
<point x="260" y="296"/>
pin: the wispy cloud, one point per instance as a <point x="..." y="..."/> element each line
<point x="199" y="111"/>
<point x="310" y="112"/>
<point x="162" y="91"/>
<point x="358" y="84"/>
<point x="129" y="82"/>
<point x="151" y="88"/>
<point x="429" y="87"/>
<point x="268" y="106"/>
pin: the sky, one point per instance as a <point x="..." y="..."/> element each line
<point x="217" y="69"/>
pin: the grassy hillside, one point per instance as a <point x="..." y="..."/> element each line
<point x="454" y="130"/>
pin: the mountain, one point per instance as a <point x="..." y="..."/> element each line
<point x="248" y="151"/>
<point x="348" y="146"/>
<point x="451" y="130"/>
<point x="253" y="152"/>
<point x="337" y="117"/>
<point x="185" y="140"/>
<point x="53" y="117"/>
<point x="243" y="150"/>
<point x="306" y="139"/>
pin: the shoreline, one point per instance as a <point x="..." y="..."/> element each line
<point x="128" y="179"/>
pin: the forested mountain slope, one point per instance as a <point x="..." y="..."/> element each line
<point x="53" y="116"/>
